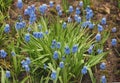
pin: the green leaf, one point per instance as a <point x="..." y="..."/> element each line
<point x="25" y="79"/>
<point x="2" y="75"/>
<point x="91" y="75"/>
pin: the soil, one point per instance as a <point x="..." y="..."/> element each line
<point x="102" y="8"/>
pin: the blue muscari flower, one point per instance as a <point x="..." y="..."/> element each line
<point x="38" y="34"/>
<point x="90" y="49"/>
<point x="60" y="12"/>
<point x="102" y="66"/>
<point x="78" y="19"/>
<point x="98" y="37"/>
<point x="32" y="17"/>
<point x="26" y="12"/>
<point x="20" y="25"/>
<point x="75" y="48"/>
<point x="103" y="21"/>
<point x="91" y="26"/>
<point x="23" y="62"/>
<point x="27" y="68"/>
<point x="28" y="61"/>
<point x="114" y="29"/>
<point x="29" y="10"/>
<point x="71" y="9"/>
<point x="75" y="17"/>
<point x="40" y="27"/>
<point x="33" y="8"/>
<point x="58" y="7"/>
<point x="17" y="26"/>
<point x="67" y="50"/>
<point x="3" y="54"/>
<point x="58" y="45"/>
<point x="88" y="8"/>
<point x="29" y="29"/>
<point x="100" y="28"/>
<point x="85" y="24"/>
<point x="20" y="18"/>
<point x="13" y="53"/>
<point x="53" y="44"/>
<point x="99" y="51"/>
<point x="53" y="75"/>
<point x="19" y="4"/>
<point x="61" y="64"/>
<point x="78" y="11"/>
<point x="89" y="14"/>
<point x="7" y="28"/>
<point x="27" y="37"/>
<point x="55" y="55"/>
<point x="23" y="24"/>
<point x="103" y="79"/>
<point x="64" y="25"/>
<point x="63" y="58"/>
<point x="51" y="4"/>
<point x="45" y="66"/>
<point x="69" y="19"/>
<point x="43" y="8"/>
<point x="81" y="3"/>
<point x="7" y="74"/>
<point x="46" y="32"/>
<point x="114" y="42"/>
<point x="84" y="70"/>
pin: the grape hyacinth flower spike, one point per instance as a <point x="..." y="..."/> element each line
<point x="20" y="4"/>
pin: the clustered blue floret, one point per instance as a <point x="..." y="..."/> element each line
<point x="30" y="11"/>
<point x="20" y="4"/>
<point x="90" y="50"/>
<point x="13" y="53"/>
<point x="114" y="42"/>
<point x="55" y="44"/>
<point x="103" y="21"/>
<point x="26" y="63"/>
<point x="103" y="79"/>
<point x="27" y="37"/>
<point x="55" y="55"/>
<point x="8" y="74"/>
<point x="64" y="25"/>
<point x="67" y="50"/>
<point x="114" y="29"/>
<point x="77" y="11"/>
<point x="89" y="13"/>
<point x="102" y="65"/>
<point x="75" y="48"/>
<point x="84" y="70"/>
<point x="61" y="64"/>
<point x="3" y="54"/>
<point x="100" y="28"/>
<point x="38" y="35"/>
<point x="43" y="9"/>
<point x="7" y="28"/>
<point x="99" y="51"/>
<point x="98" y="37"/>
<point x="20" y="25"/>
<point x="51" y="4"/>
<point x="71" y="9"/>
<point x="53" y="75"/>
